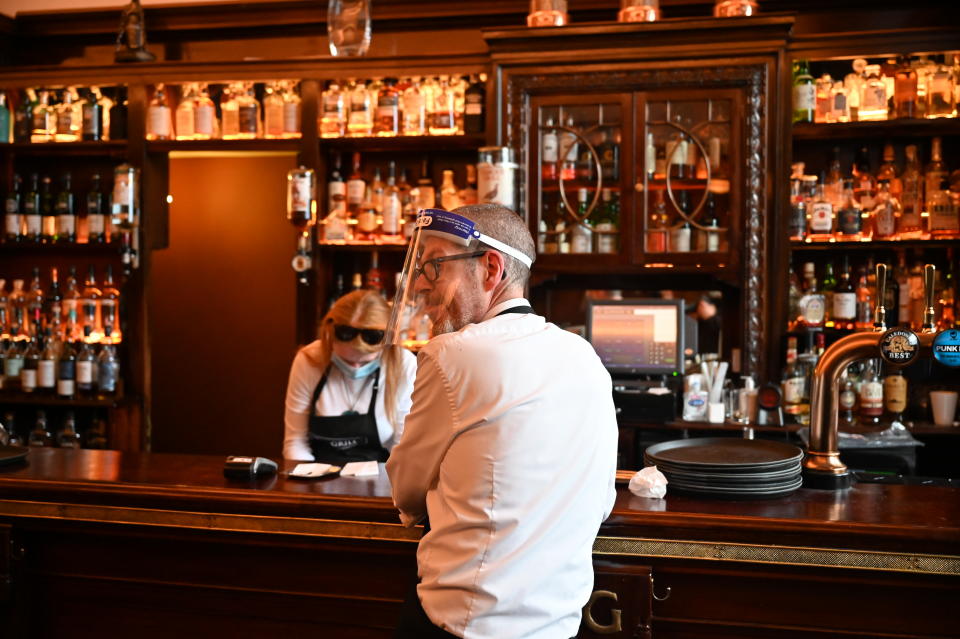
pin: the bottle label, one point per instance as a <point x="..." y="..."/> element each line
<point x="550" y="148"/>
<point x="67" y="224"/>
<point x="367" y="220"/>
<point x="680" y="240"/>
<point x="337" y="197"/>
<point x="804" y="97"/>
<point x="231" y="122"/>
<point x="158" y="121"/>
<point x="107" y="376"/>
<point x="813" y="308"/>
<point x="291" y="117"/>
<point x="65" y="122"/>
<point x="850" y="221"/>
<point x="299" y="193"/>
<point x="391" y="214"/>
<point x="204" y="119"/>
<point x="13" y="206"/>
<point x="426" y="196"/>
<point x="85" y="372"/>
<point x="355" y="192"/>
<point x="845" y="306"/>
<point x="46" y="376"/>
<point x="122" y="192"/>
<point x="606" y="237"/>
<point x="28" y="378"/>
<point x="871" y="398"/>
<point x="895" y="393"/>
<point x="943" y="217"/>
<point x="273" y="119"/>
<point x="95" y="224"/>
<point x="848" y="399"/>
<point x="66" y="387"/>
<point x="12" y="223"/>
<point x="582" y="239"/>
<point x="473" y="106"/>
<point x="12" y="366"/>
<point x="821" y="217"/>
<point x="185" y="123"/>
<point x="248" y="118"/>
<point x="793" y="390"/>
<point x="335" y="227"/>
<point x="885" y="221"/>
<point x="49" y="225"/>
<point x="92" y="122"/>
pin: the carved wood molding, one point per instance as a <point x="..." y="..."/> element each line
<point x="751" y="78"/>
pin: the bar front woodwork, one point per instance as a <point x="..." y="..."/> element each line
<point x="145" y="545"/>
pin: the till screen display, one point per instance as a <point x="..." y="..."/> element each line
<point x="636" y="338"/>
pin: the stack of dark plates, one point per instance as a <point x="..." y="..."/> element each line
<point x="728" y="467"/>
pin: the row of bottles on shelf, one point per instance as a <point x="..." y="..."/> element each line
<point x="869" y="395"/>
<point x="67" y="436"/>
<point x="846" y="303"/>
<point x="387" y="107"/>
<point x="361" y="207"/>
<point x="594" y="230"/>
<point x="913" y="203"/>
<point x="38" y="213"/>
<point x="904" y="87"/>
<point x="566" y="156"/>
<point x="238" y="115"/>
<point x="67" y="115"/>
<point x="670" y="232"/>
<point x="88" y="313"/>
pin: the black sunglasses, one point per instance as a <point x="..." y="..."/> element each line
<point x="370" y="336"/>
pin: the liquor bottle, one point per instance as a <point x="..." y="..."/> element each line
<point x="449" y="197"/>
<point x="947" y="302"/>
<point x="96" y="436"/>
<point x="273" y="112"/>
<point x="873" y="96"/>
<point x="864" y="320"/>
<point x="34" y="302"/>
<point x="886" y="213"/>
<point x="871" y="395"/>
<point x="4" y="119"/>
<point x="905" y="90"/>
<point x="940" y="98"/>
<point x="71" y="304"/>
<point x="943" y="219"/>
<point x="291" y="109"/>
<point x="549" y="151"/>
<point x="895" y="395"/>
<point x="833" y="182"/>
<point x="442" y="111"/>
<point x="86" y="364"/>
<point x="426" y="192"/>
<point x="822" y="220"/>
<point x="248" y="113"/>
<point x="159" y="118"/>
<point x="333" y="117"/>
<point x="205" y="115"/>
<point x="23" y="116"/>
<point x="848" y="399"/>
<point x="360" y="121"/>
<point x="12" y="365"/>
<point x="657" y="225"/>
<point x="68" y="437"/>
<point x="606" y="223"/>
<point x="387" y="122"/>
<point x="392" y="210"/>
<point x="47" y="365"/>
<point x="934" y="173"/>
<point x="48" y="212"/>
<point x="67" y="372"/>
<point x="374" y="277"/>
<point x="110" y="305"/>
<point x="911" y="198"/>
<point x="108" y="366"/>
<point x="96" y="213"/>
<point x="581" y="240"/>
<point x="13" y="216"/>
<point x="888" y="171"/>
<point x="229" y="112"/>
<point x="864" y="182"/>
<point x="474" y="105"/>
<point x="468" y="194"/>
<point x="40" y="436"/>
<point x="793" y="383"/>
<point x="584" y="169"/>
<point x="118" y="116"/>
<point x="4" y="316"/>
<point x="93" y="114"/>
<point x="68" y="119"/>
<point x="14" y="437"/>
<point x="414" y="112"/>
<point x="567" y="150"/>
<point x="797" y="221"/>
<point x="839" y="103"/>
<point x="845" y="301"/>
<point x="827" y="287"/>
<point x="823" y="106"/>
<point x="713" y="240"/>
<point x="812" y="305"/>
<point x="44" y="119"/>
<point x="66" y="212"/>
<point x="31" y="362"/>
<point x="677" y="153"/>
<point x="804" y="93"/>
<point x="90" y="303"/>
<point x="32" y="218"/>
<point x="682" y="234"/>
<point x="849" y="217"/>
<point x="53" y="303"/>
<point x="356" y="282"/>
<point x="377" y="188"/>
<point x="18" y="308"/>
<point x="186" y="117"/>
<point x="356" y="187"/>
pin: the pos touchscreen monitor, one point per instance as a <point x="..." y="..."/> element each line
<point x="637" y="336"/>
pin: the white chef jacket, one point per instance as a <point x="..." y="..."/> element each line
<point x="340" y="394"/>
<point x="511" y="446"/>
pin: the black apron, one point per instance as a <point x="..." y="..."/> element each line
<point x="345" y="438"/>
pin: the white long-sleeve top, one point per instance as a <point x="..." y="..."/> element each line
<point x="511" y="447"/>
<point x="339" y="394"/>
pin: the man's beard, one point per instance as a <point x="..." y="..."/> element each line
<point x="459" y="307"/>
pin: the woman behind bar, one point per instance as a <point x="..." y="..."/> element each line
<point x="348" y="395"/>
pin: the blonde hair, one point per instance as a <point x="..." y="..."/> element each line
<point x="362" y="309"/>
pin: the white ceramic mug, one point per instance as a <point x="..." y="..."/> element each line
<point x="944" y="405"/>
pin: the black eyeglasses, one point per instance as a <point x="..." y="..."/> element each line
<point x="431" y="268"/>
<point x="370" y="336"/>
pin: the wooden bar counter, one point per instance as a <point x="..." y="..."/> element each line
<point x="102" y="543"/>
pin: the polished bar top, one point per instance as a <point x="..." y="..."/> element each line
<point x="867" y="516"/>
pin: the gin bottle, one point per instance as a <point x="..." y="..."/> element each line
<point x="333" y="119"/>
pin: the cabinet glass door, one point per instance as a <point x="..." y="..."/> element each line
<point x="575" y="176"/>
<point x="686" y="177"/>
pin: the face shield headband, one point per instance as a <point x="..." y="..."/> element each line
<point x="449" y="226"/>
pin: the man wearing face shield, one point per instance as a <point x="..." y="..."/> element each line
<point x="510" y="444"/>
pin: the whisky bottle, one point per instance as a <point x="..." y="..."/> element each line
<point x="607" y="223"/>
<point x="474" y="102"/>
<point x="934" y="173"/>
<point x="468" y="194"/>
<point x="90" y="303"/>
<point x="47" y="365"/>
<point x="376" y="191"/>
<point x="840" y="103"/>
<point x="823" y="90"/>
<point x="40" y="436"/>
<point x="67" y="372"/>
<point x="886" y="213"/>
<point x="940" y="86"/>
<point x="110" y="305"/>
<point x="366" y="216"/>
<point x="804" y="93"/>
<point x="387" y="123"/>
<point x="888" y="171"/>
<point x="186" y="121"/>
<point x="793" y="382"/>
<point x="92" y="117"/>
<point x="333" y="118"/>
<point x="273" y="112"/>
<point x="873" y="96"/>
<point x="96" y="213"/>
<point x="812" y="305"/>
<point x="442" y="116"/>
<point x="822" y="220"/>
<point x="23" y="116"/>
<point x="849" y="217"/>
<point x="943" y="219"/>
<point x="248" y="113"/>
<point x="356" y="187"/>
<point x="159" y="119"/>
<point x="414" y="109"/>
<point x="449" y="198"/>
<point x="426" y="192"/>
<point x="66" y="212"/>
<point x="392" y="207"/>
<point x="31" y="361"/>
<point x="85" y="365"/>
<point x="205" y="116"/>
<point x="44" y="119"/>
<point x="230" y="112"/>
<point x="549" y="151"/>
<point x="845" y="301"/>
<point x="581" y="240"/>
<point x="864" y="182"/>
<point x="68" y="437"/>
<point x="905" y="90"/>
<point x="13" y="217"/>
<point x="360" y="120"/>
<point x="871" y="395"/>
<point x="48" y="212"/>
<point x="108" y="366"/>
<point x="291" y="109"/>
<point x="911" y="198"/>
<point x="895" y="395"/>
<point x="69" y="118"/>
<point x="567" y="150"/>
<point x="118" y="116"/>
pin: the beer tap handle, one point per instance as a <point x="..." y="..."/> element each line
<point x="880" y="311"/>
<point x="929" y="312"/>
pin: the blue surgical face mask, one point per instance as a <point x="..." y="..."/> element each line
<point x="355" y="372"/>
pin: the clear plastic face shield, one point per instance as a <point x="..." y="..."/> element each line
<point x="438" y="278"/>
